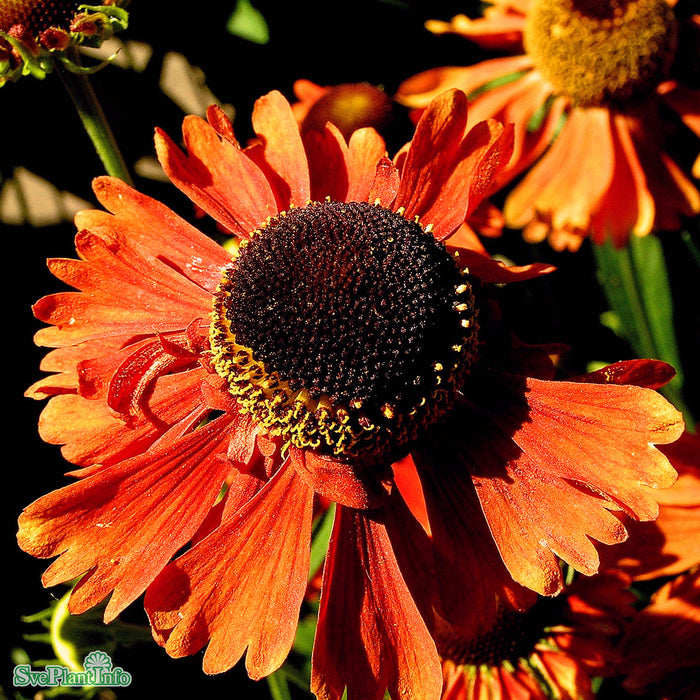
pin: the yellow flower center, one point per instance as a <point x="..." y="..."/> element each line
<point x="350" y="106"/>
<point x="345" y="328"/>
<point x="601" y="51"/>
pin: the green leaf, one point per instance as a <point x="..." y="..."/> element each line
<point x="248" y="23"/>
<point x="636" y="285"/>
<point x="321" y="536"/>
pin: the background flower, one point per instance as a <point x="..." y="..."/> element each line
<point x="593" y="152"/>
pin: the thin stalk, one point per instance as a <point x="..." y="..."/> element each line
<point x="277" y="684"/>
<point x="94" y="121"/>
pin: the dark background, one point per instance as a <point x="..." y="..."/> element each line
<point x="328" y="43"/>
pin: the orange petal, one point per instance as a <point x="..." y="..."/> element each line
<point x="466" y="557"/>
<point x="366" y="149"/>
<point x="430" y="156"/>
<point x="127" y="292"/>
<point x="282" y="156"/>
<point x="483" y="152"/>
<point x="327" y="154"/>
<point x="419" y="90"/>
<point x="242" y="586"/>
<point x="145" y="222"/>
<point x="602" y="436"/>
<point x="493" y="271"/>
<point x="125" y="522"/>
<point x="446" y="171"/>
<point x="218" y="177"/>
<point x="384" y="644"/>
<point x="385" y="184"/>
<point x="338" y="481"/>
<point x="566" y="185"/>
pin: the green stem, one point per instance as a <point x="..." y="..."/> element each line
<point x="94" y="121"/>
<point x="277" y="683"/>
<point x="636" y="285"/>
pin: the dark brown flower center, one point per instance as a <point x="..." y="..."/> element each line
<point x="344" y="327"/>
<point x="37" y="15"/>
<point x="601" y="51"/>
<point x="514" y="636"/>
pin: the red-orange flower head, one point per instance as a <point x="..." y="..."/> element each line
<point x="346" y="352"/>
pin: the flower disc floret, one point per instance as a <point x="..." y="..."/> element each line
<point x="344" y="327"/>
<point x="601" y="51"/>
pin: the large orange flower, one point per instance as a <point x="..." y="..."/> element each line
<point x="346" y="351"/>
<point x="589" y="90"/>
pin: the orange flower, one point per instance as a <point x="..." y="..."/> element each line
<point x="588" y="90"/>
<point x="660" y="648"/>
<point x="346" y="351"/>
<point x="553" y="650"/>
<point x="350" y="106"/>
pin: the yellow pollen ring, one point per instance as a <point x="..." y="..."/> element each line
<point x="320" y="424"/>
<point x="352" y="431"/>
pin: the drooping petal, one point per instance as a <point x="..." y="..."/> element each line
<point x="565" y="186"/>
<point x="91" y="432"/>
<point x="242" y="586"/>
<point x="121" y="525"/>
<point x="370" y="637"/>
<point x="466" y="556"/>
